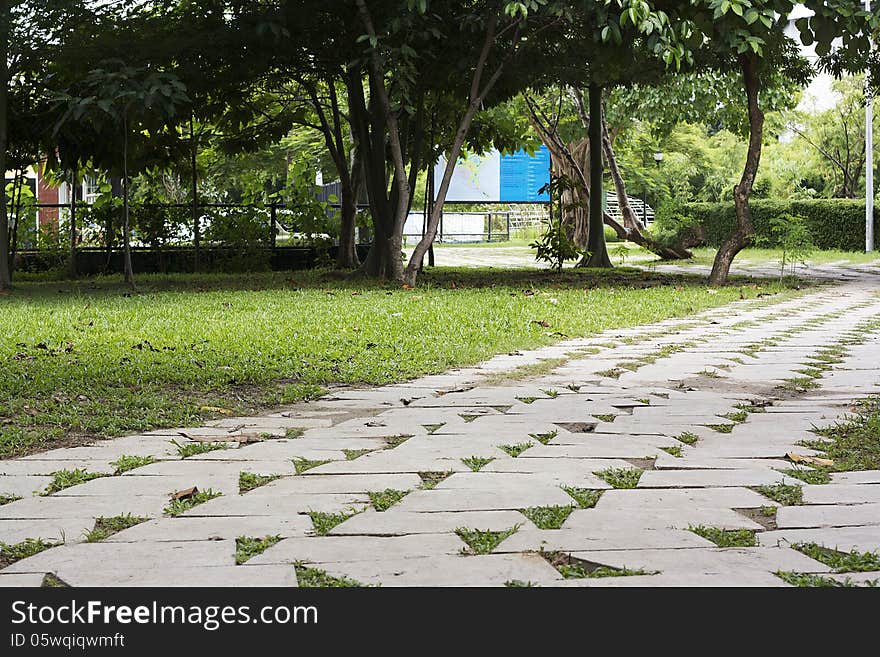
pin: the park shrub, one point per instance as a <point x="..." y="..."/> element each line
<point x="155" y="225"/>
<point x="243" y="233"/>
<point x="791" y="235"/>
<point x="831" y="223"/>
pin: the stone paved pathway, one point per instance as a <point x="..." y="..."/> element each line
<point x="481" y="450"/>
<point x="523" y="257"/>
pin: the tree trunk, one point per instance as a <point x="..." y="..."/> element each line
<point x="384" y="260"/>
<point x="5" y="280"/>
<point x="598" y="250"/>
<point x="632" y="229"/>
<point x="351" y="182"/>
<point x="742" y="235"/>
<point x="478" y="92"/>
<point x="368" y="124"/>
<point x="17" y="185"/>
<point x="71" y="263"/>
<point x="126" y="232"/>
<point x="574" y="198"/>
<point x="195" y="195"/>
<point x="110" y="225"/>
<point x="347" y="257"/>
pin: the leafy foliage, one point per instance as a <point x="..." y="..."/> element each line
<point x="829" y="224"/>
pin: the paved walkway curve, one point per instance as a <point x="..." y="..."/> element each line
<point x="440" y="451"/>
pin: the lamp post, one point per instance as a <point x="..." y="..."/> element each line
<point x="869" y="154"/>
<point x="645" y="190"/>
<point x="658" y="160"/>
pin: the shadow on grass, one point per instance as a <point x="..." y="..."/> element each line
<point x="438" y="277"/>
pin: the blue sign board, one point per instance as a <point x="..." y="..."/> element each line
<point x="523" y="175"/>
<point x="497" y="178"/>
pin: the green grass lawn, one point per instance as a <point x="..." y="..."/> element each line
<point x="89" y="359"/>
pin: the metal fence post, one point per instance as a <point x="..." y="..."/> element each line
<point x="273" y="223"/>
<point x="490" y="228"/>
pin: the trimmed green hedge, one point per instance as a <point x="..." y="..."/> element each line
<point x="833" y="223"/>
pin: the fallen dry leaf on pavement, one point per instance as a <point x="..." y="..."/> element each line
<point x="810" y="460"/>
<point x="216" y="409"/>
<point x="184" y="494"/>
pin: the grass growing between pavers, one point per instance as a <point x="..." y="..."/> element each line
<point x="184" y="504"/>
<point x="431" y="479"/>
<point x="302" y="464"/>
<point x="808" y="580"/>
<point x="515" y="450"/>
<point x="816" y="477"/>
<point x="573" y="568"/>
<point x="621" y="477"/>
<point x="396" y="441"/>
<point x="313" y="578"/>
<point x="52" y="581"/>
<point x="853" y="444"/>
<point x="106" y="527"/>
<point x="352" y="454"/>
<point x="67" y="478"/>
<point x="688" y="438"/>
<point x="586" y="498"/>
<point x="127" y="462"/>
<point x="726" y="537"/>
<point x="483" y="541"/>
<point x="384" y="500"/>
<point x="841" y="562"/>
<point x="523" y="372"/>
<point x="721" y="428"/>
<point x="785" y="494"/>
<point x="248" y="481"/>
<point x="8" y="499"/>
<point x="548" y="517"/>
<point x="186" y="346"/>
<point x="12" y="552"/>
<point x="544" y="438"/>
<point x="247" y="547"/>
<point x="323" y="522"/>
<point x="185" y="450"/>
<point x="477" y="463"/>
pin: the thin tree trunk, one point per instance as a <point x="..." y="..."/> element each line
<point x="17" y="189"/>
<point x="348" y="166"/>
<point x="742" y="235"/>
<point x="5" y="279"/>
<point x="478" y="92"/>
<point x="195" y="194"/>
<point x="109" y="226"/>
<point x="632" y="226"/>
<point x="347" y="257"/>
<point x="126" y="232"/>
<point x="71" y="263"/>
<point x="598" y="250"/>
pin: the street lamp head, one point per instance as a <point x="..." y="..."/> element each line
<point x="658" y="157"/>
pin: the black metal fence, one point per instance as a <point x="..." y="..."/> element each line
<point x="165" y="237"/>
<point x="158" y="225"/>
